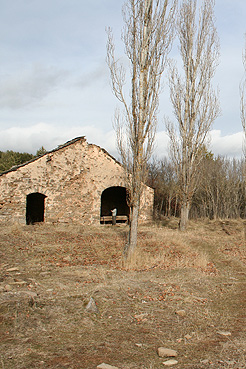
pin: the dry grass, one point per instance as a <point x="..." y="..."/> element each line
<point x="57" y="269"/>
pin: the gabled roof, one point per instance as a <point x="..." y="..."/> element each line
<point x="68" y="143"/>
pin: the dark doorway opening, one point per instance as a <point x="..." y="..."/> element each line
<point x="35" y="208"/>
<point x="114" y="197"/>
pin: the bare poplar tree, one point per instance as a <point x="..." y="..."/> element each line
<point x="243" y="101"/>
<point x="243" y="114"/>
<point x="194" y="101"/>
<point x="147" y="35"/>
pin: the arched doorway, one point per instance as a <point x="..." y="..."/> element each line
<point x="35" y="208"/>
<point x="114" y="197"/>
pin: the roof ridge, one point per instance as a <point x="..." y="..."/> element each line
<point x="59" y="147"/>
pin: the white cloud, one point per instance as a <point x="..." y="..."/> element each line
<point x="92" y="77"/>
<point x="31" y="138"/>
<point x="161" y="144"/>
<point x="28" y="86"/>
<point x="229" y="145"/>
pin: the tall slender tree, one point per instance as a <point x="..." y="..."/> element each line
<point x="243" y="101"/>
<point x="147" y="35"/>
<point x="243" y="115"/>
<point x="194" y="101"/>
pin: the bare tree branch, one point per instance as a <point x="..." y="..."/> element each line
<point x="243" y="100"/>
<point x="194" y="101"/>
<point x="147" y="35"/>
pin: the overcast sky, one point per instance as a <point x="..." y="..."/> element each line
<point x="55" y="83"/>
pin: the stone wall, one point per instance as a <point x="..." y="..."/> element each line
<point x="72" y="178"/>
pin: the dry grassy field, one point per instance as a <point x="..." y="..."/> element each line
<point x="185" y="291"/>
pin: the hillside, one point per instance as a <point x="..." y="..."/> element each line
<point x="186" y="292"/>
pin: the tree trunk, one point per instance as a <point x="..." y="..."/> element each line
<point x="169" y="206"/>
<point x="195" y="103"/>
<point x="176" y="206"/>
<point x="184" y="216"/>
<point x="148" y="35"/>
<point x="133" y="231"/>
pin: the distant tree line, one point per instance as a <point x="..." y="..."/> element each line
<point x="220" y="191"/>
<point x="9" y="158"/>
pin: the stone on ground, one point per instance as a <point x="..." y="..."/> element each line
<point x="91" y="306"/>
<point x="170" y="362"/>
<point x="181" y="313"/>
<point x="106" y="366"/>
<point x="224" y="333"/>
<point x="166" y="352"/>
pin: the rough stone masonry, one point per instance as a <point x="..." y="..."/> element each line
<point x="74" y="183"/>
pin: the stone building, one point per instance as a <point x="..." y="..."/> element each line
<point x="74" y="183"/>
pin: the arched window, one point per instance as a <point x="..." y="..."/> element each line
<point x="114" y="197"/>
<point x="35" y="208"/>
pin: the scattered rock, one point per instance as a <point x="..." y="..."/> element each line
<point x="230" y="362"/>
<point x="44" y="274"/>
<point x="165" y="352"/>
<point x="201" y="299"/>
<point x="140" y="316"/>
<point x="67" y="258"/>
<point x="177" y="298"/>
<point x="13" y="269"/>
<point x="8" y="288"/>
<point x="139" y="344"/>
<point x="206" y="361"/>
<point x="224" y="333"/>
<point x="91" y="306"/>
<point x="188" y="336"/>
<point x="32" y="302"/>
<point x="106" y="366"/>
<point x="170" y="362"/>
<point x="30" y="294"/>
<point x="181" y="313"/>
<point x="19" y="282"/>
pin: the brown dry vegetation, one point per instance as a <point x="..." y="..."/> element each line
<point x="57" y="269"/>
